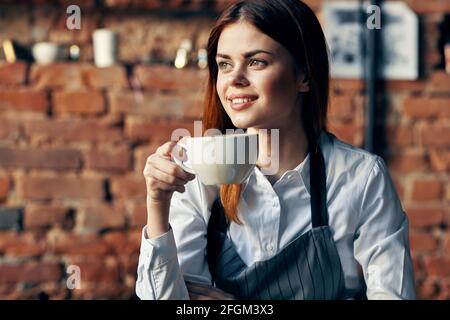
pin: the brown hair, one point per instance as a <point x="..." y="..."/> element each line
<point x="294" y="25"/>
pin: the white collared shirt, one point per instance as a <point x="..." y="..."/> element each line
<point x="366" y="219"/>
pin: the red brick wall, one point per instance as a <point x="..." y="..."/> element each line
<point x="74" y="139"/>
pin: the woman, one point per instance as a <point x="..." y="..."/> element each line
<point x="302" y="233"/>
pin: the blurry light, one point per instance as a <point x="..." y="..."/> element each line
<point x="202" y="57"/>
<point x="74" y="52"/>
<point x="8" y="49"/>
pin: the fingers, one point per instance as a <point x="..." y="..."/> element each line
<point x="166" y="148"/>
<point x="162" y="175"/>
<point x="167" y="178"/>
<point x="170" y="168"/>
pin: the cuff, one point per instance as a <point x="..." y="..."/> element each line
<point x="158" y="250"/>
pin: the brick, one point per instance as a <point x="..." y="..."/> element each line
<point x="25" y="245"/>
<point x="400" y="136"/>
<point x="426" y="107"/>
<point x="82" y="3"/>
<point x="139" y="215"/>
<point x="161" y="77"/>
<point x="427" y="190"/>
<point x="45" y="291"/>
<point x="425" y="217"/>
<point x="44" y="216"/>
<point x="95" y="218"/>
<point x="104" y="78"/>
<point x="78" y="102"/>
<point x="447" y="196"/>
<point x="347" y="132"/>
<point x="399" y="187"/>
<point x="141" y="154"/>
<point x="11" y="218"/>
<point x="408" y="161"/>
<point x="444" y="290"/>
<point x="440" y="160"/>
<point x="422" y="241"/>
<point x="5" y="184"/>
<point x="57" y="75"/>
<point x="95" y="270"/>
<point x="427" y="289"/>
<point x="61" y="187"/>
<point x="57" y="159"/>
<point x="129" y="186"/>
<point x="9" y="128"/>
<point x="439" y="82"/>
<point x="73" y="245"/>
<point x="109" y="159"/>
<point x="156" y="131"/>
<point x="128" y="263"/>
<point x="417" y="265"/>
<point x="346" y="85"/>
<point x="119" y="3"/>
<point x="157" y="105"/>
<point x="20" y="100"/>
<point x="30" y="272"/>
<point x="446" y="244"/>
<point x="72" y="130"/>
<point x="13" y="73"/>
<point x="435" y="136"/>
<point x="99" y="291"/>
<point x="341" y="107"/>
<point x="405" y="85"/>
<point x="122" y="242"/>
<point x="437" y="266"/>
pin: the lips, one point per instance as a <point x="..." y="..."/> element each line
<point x="241" y="101"/>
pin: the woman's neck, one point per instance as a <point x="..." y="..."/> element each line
<point x="281" y="153"/>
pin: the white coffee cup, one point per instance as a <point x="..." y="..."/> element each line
<point x="47" y="52"/>
<point x="220" y="159"/>
<point x="105" y="47"/>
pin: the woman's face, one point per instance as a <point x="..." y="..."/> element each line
<point x="256" y="82"/>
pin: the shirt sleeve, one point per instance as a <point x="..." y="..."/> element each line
<point x="166" y="261"/>
<point x="381" y="242"/>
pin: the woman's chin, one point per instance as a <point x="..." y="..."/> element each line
<point x="242" y="123"/>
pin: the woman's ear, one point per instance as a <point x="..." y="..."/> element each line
<point x="303" y="83"/>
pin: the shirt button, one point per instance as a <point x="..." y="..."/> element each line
<point x="269" y="247"/>
<point x="274" y="204"/>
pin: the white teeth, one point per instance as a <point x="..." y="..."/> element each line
<point x="241" y="100"/>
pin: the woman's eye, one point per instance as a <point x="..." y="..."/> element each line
<point x="257" y="63"/>
<point x="223" y="65"/>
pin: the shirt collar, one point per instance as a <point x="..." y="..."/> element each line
<point x="325" y="142"/>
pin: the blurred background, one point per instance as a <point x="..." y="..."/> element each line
<point x="81" y="109"/>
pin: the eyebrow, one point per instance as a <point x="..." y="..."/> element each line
<point x="245" y="55"/>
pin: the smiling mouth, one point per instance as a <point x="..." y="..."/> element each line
<point x="241" y="103"/>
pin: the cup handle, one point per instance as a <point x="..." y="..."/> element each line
<point x="181" y="163"/>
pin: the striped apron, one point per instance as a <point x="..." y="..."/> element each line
<point x="307" y="268"/>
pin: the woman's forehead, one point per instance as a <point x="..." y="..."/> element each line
<point x="242" y="37"/>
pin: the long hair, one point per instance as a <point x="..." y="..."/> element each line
<point x="295" y="26"/>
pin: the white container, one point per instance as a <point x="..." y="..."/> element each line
<point x="47" y="52"/>
<point x="105" y="47"/>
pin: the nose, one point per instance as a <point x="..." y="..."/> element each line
<point x="238" y="78"/>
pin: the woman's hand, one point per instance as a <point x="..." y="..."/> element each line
<point x="200" y="291"/>
<point x="162" y="178"/>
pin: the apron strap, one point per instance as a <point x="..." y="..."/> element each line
<point x="318" y="187"/>
<point x="319" y="212"/>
